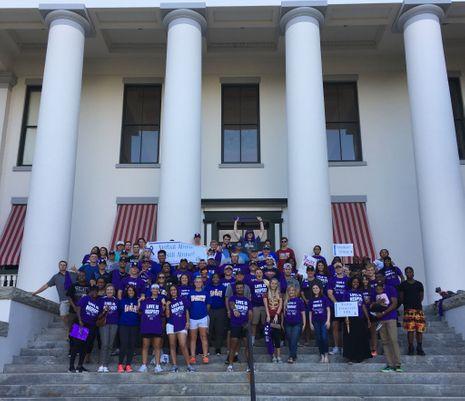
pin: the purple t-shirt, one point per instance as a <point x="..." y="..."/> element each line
<point x="136" y="282"/>
<point x="243" y="305"/>
<point x="339" y="287"/>
<point x="89" y="310"/>
<point x="179" y="273"/>
<point x="184" y="290"/>
<point x="355" y="296"/>
<point x="258" y="288"/>
<point x="178" y="308"/>
<point x="151" y="316"/>
<point x="388" y="293"/>
<point x="227" y="282"/>
<point x="112" y="304"/>
<point x="147" y="277"/>
<point x="323" y="278"/>
<point x="392" y="275"/>
<point x="318" y="307"/>
<point x="293" y="311"/>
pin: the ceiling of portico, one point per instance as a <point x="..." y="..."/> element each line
<point x="140" y="30"/>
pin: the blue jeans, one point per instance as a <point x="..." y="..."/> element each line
<point x="293" y="332"/>
<point x="321" y="334"/>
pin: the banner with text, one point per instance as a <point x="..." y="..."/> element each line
<point x="307" y="260"/>
<point x="343" y="250"/>
<point x="175" y="251"/>
<point x="346" y="309"/>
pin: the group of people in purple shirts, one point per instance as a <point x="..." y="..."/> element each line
<point x="128" y="297"/>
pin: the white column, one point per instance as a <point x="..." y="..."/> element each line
<point x="440" y="188"/>
<point x="7" y="81"/>
<point x="179" y="206"/>
<point x="50" y="202"/>
<point x="309" y="201"/>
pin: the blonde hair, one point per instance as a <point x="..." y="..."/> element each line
<point x="274" y="294"/>
<point x="286" y="298"/>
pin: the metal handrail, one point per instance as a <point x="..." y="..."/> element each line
<point x="250" y="362"/>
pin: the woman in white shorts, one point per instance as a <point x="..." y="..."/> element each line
<point x="177" y="313"/>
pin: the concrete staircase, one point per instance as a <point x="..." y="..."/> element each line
<point x="40" y="373"/>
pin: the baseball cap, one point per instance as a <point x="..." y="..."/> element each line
<point x="266" y="247"/>
<point x="197" y="235"/>
<point x="153" y="286"/>
<point x="102" y="262"/>
<point x="228" y="267"/>
<point x="119" y="243"/>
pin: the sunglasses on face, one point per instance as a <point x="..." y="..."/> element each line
<point x="283" y="241"/>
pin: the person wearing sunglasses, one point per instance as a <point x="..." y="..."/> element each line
<point x="284" y="253"/>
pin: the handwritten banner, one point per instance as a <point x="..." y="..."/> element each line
<point x="343" y="250"/>
<point x="346" y="309"/>
<point x="175" y="251"/>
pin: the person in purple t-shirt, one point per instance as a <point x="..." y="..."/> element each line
<point x="294" y="320"/>
<point x="337" y="288"/>
<point x="320" y="320"/>
<point x="392" y="274"/>
<point x="258" y="288"/>
<point x="240" y="314"/>
<point x="151" y="326"/>
<point x="184" y="288"/>
<point x="134" y="281"/>
<point x="177" y="313"/>
<point x="109" y="305"/>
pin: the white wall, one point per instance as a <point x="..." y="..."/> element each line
<point x="454" y="318"/>
<point x="388" y="179"/>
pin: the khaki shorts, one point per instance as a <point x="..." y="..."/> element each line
<point x="64" y="308"/>
<point x="258" y="315"/>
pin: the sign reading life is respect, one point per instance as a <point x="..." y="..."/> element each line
<point x="346" y="309"/>
<point x="175" y="251"/>
<point x="343" y="250"/>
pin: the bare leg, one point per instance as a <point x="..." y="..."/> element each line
<point x="233" y="349"/>
<point x="203" y="331"/>
<point x="172" y="340"/>
<point x="145" y="350"/>
<point x="193" y="341"/>
<point x="156" y="344"/>
<point x="336" y="336"/>
<point x="182" y="339"/>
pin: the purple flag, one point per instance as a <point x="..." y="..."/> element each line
<point x="268" y="339"/>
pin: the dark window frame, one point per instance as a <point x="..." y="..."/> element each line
<point x="24" y="125"/>
<point x="358" y="150"/>
<point x="124" y="125"/>
<point x="459" y="120"/>
<point x="223" y="125"/>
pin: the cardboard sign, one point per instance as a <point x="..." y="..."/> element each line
<point x="346" y="309"/>
<point x="175" y="251"/>
<point x="343" y="250"/>
<point x="307" y="260"/>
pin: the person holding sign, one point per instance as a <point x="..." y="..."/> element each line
<point x="356" y="336"/>
<point x="336" y="293"/>
<point x="320" y="320"/>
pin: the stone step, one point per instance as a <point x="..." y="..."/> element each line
<point x="234" y="377"/>
<point x="234" y="389"/>
<point x="247" y="398"/>
<point x="301" y="366"/>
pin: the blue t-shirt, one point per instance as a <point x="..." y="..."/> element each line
<point x="128" y="312"/>
<point x="90" y="271"/>
<point x="198" y="304"/>
<point x="216" y="294"/>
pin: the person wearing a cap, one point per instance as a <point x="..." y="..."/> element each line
<point x="145" y="273"/>
<point x="249" y="240"/>
<point x="265" y="253"/>
<point x="182" y="269"/>
<point x="119" y="247"/>
<point x="132" y="280"/>
<point x="238" y="249"/>
<point x="287" y="279"/>
<point x="197" y="239"/>
<point x="119" y="274"/>
<point x="236" y="265"/>
<point x="228" y="277"/>
<point x="253" y="256"/>
<point x="217" y="313"/>
<point x="112" y="264"/>
<point x="152" y="310"/>
<point x="258" y="289"/>
<point x="270" y="272"/>
<point x="102" y="272"/>
<point x="90" y="268"/>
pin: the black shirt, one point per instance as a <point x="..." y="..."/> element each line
<point x="77" y="291"/>
<point x="411" y="294"/>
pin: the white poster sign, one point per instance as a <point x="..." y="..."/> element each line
<point x="343" y="250"/>
<point x="346" y="309"/>
<point x="307" y="260"/>
<point x="175" y="251"/>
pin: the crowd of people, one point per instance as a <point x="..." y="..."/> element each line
<point x="127" y="296"/>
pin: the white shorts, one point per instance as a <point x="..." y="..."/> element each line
<point x="170" y="329"/>
<point x="196" y="323"/>
<point x="64" y="308"/>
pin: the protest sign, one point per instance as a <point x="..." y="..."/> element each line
<point x="346" y="309"/>
<point x="343" y="250"/>
<point x="307" y="260"/>
<point x="175" y="251"/>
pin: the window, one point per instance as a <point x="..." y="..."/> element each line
<point x="240" y="115"/>
<point x="342" y="121"/>
<point x="29" y="127"/>
<point x="459" y="120"/>
<point x="140" y="133"/>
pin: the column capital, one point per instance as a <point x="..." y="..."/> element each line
<point x="301" y="12"/>
<point x="7" y="80"/>
<point x="185" y="13"/>
<point x="75" y="17"/>
<point x="425" y="9"/>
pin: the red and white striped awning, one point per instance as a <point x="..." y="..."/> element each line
<point x="134" y="221"/>
<point x="350" y="226"/>
<point x="12" y="236"/>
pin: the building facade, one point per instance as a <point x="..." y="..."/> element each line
<point x="189" y="114"/>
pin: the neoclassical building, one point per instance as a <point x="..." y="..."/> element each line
<point x="333" y="121"/>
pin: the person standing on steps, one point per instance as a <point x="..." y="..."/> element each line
<point x="273" y="302"/>
<point x="108" y="331"/>
<point x="58" y="280"/>
<point x="411" y="294"/>
<point x="249" y="239"/>
<point x="294" y="320"/>
<point x="319" y="308"/>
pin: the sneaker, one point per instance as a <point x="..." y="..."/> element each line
<point x="72" y="370"/>
<point x="335" y="351"/>
<point x="190" y="369"/>
<point x="81" y="369"/>
<point x="326" y="359"/>
<point x="142" y="369"/>
<point x="100" y="369"/>
<point x="230" y="368"/>
<point x="120" y="368"/>
<point x="174" y="369"/>
<point x="398" y="369"/>
<point x="279" y="360"/>
<point x="105" y="369"/>
<point x="387" y="369"/>
<point x="192" y="360"/>
<point x="205" y="359"/>
<point x="115" y="352"/>
<point x="274" y="359"/>
<point x="158" y="369"/>
<point x="322" y="359"/>
<point x="128" y="369"/>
